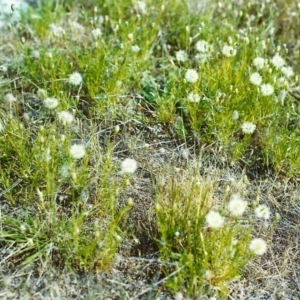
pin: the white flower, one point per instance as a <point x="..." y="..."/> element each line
<point x="96" y="33"/>
<point x="57" y="30"/>
<point x="202" y="46"/>
<point x="75" y="78"/>
<point x="10" y="98"/>
<point x="50" y="103"/>
<point x="65" y="117"/>
<point x="277" y="61"/>
<point x="141" y="7"/>
<point x="181" y="55"/>
<point x="214" y="219"/>
<point x="262" y="211"/>
<point x="267" y="89"/>
<point x="255" y="78"/>
<point x="128" y="165"/>
<point x="248" y="127"/>
<point x="135" y="48"/>
<point x="287" y="71"/>
<point x="228" y="51"/>
<point x="236" y="205"/>
<point x="235" y="115"/>
<point x="258" y="63"/>
<point x="258" y="246"/>
<point x="202" y="58"/>
<point x="64" y="171"/>
<point x="191" y="76"/>
<point x="77" y="151"/>
<point x="192" y="97"/>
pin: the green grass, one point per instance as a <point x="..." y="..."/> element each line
<point x="71" y="209"/>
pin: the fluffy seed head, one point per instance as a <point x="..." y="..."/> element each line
<point x="77" y="151"/>
<point x="255" y="78"/>
<point x="258" y="63"/>
<point x="267" y="89"/>
<point x="191" y="76"/>
<point x="75" y="78"/>
<point x="181" y="55"/>
<point x="248" y="127"/>
<point x="202" y="46"/>
<point x="277" y="61"/>
<point x="228" y="51"/>
<point x="65" y="117"/>
<point x="214" y="219"/>
<point x="262" y="211"/>
<point x="236" y="205"/>
<point x="50" y="103"/>
<point x="192" y="97"/>
<point x="258" y="246"/>
<point x="128" y="165"/>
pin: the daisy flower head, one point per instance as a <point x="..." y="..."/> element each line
<point x="75" y="78"/>
<point x="192" y="97"/>
<point x="181" y="56"/>
<point x="248" y="127"/>
<point x="128" y="165"/>
<point x="267" y="89"/>
<point x="65" y="117"/>
<point x="258" y="246"/>
<point x="77" y="151"/>
<point x="50" y="103"/>
<point x="228" y="51"/>
<point x="202" y="46"/>
<point x="262" y="211"/>
<point x="214" y="219"/>
<point x="258" y="63"/>
<point x="237" y="205"/>
<point x="191" y="76"/>
<point x="277" y="61"/>
<point x="255" y="78"/>
<point x="96" y="33"/>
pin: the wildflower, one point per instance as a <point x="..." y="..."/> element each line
<point x="77" y="151"/>
<point x="262" y="211"/>
<point x="235" y="115"/>
<point x="181" y="55"/>
<point x="141" y="7"/>
<point x="128" y="165"/>
<point x="214" y="219"/>
<point x="277" y="61"/>
<point x="192" y="97"/>
<point x="267" y="89"/>
<point x="96" y="33"/>
<point x="258" y="246"/>
<point x="75" y="78"/>
<point x="57" y="30"/>
<point x="287" y="71"/>
<point x="202" y="46"/>
<point x="191" y="76"/>
<point x="65" y="117"/>
<point x="248" y="127"/>
<point x="135" y="48"/>
<point x="255" y="78"/>
<point x="64" y="171"/>
<point x="10" y="98"/>
<point x="50" y="103"/>
<point x="35" y="54"/>
<point x="258" y="63"/>
<point x="228" y="51"/>
<point x="236" y="205"/>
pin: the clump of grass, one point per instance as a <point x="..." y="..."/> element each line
<point x="207" y="240"/>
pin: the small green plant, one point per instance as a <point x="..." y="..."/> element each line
<point x="207" y="239"/>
